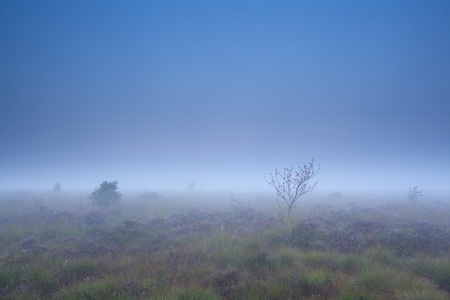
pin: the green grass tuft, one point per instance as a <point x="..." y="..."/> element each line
<point x="285" y="257"/>
<point x="381" y="256"/>
<point x="315" y="278"/>
<point x="40" y="278"/>
<point x="316" y="259"/>
<point x="376" y="278"/>
<point x="435" y="269"/>
<point x="422" y="294"/>
<point x="9" y="276"/>
<point x="194" y="293"/>
<point x="98" y="289"/>
<point x="348" y="264"/>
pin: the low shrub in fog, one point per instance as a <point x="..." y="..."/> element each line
<point x="106" y="194"/>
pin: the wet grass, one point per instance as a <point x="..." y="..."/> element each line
<point x="435" y="269"/>
<point x="132" y="251"/>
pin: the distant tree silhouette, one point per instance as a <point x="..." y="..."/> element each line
<point x="106" y="194"/>
<point x="414" y="194"/>
<point x="57" y="187"/>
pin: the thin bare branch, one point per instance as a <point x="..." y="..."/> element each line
<point x="290" y="185"/>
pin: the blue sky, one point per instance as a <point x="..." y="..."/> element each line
<point x="156" y="94"/>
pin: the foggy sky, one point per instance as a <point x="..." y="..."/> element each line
<point x="156" y="94"/>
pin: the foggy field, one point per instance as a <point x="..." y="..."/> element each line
<point x="249" y="98"/>
<point x="197" y="245"/>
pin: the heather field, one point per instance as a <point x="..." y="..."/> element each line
<point x="222" y="246"/>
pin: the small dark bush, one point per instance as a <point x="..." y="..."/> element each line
<point x="106" y="194"/>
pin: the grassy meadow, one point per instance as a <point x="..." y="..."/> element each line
<point x="222" y="246"/>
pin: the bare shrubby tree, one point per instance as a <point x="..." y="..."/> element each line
<point x="414" y="194"/>
<point x="291" y="184"/>
<point x="238" y="202"/>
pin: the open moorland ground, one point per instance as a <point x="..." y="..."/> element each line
<point x="222" y="247"/>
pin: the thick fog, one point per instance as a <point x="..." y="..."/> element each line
<point x="214" y="96"/>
